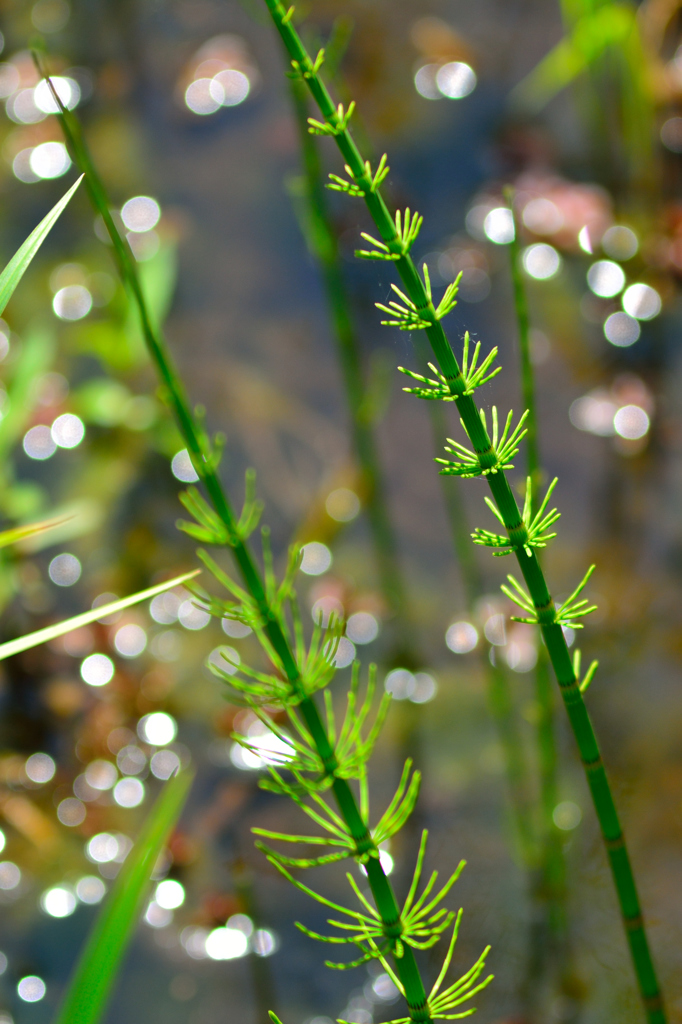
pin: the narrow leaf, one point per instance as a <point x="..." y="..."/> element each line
<point x="17" y="533"/>
<point x="15" y="269"/>
<point x="41" y="636"/>
<point x="101" y="959"/>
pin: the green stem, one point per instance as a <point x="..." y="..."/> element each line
<point x="516" y="767"/>
<point x="553" y="867"/>
<point x="264" y="994"/>
<point x="527" y="375"/>
<point x="509" y="510"/>
<point x="551" y="888"/>
<point x="204" y="463"/>
<point x="472" y="582"/>
<point x="323" y="245"/>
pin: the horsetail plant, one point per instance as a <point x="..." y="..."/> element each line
<point x="485" y="459"/>
<point x="317" y="758"/>
<point x="316" y="225"/>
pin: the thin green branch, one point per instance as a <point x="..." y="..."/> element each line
<point x="549" y="888"/>
<point x="367" y="185"/>
<point x="527" y="375"/>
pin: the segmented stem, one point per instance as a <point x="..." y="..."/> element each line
<point x="382" y="891"/>
<point x="506" y="503"/>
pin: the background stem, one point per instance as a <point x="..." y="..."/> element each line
<point x="548" y="891"/>
<point x="323" y="244"/>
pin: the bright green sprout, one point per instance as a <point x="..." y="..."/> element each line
<point x="420" y="924"/>
<point x="315" y="661"/>
<point x="209" y="528"/>
<point x="589" y="675"/>
<point x="351" y="749"/>
<point x="342" y="843"/>
<point x="468" y="464"/>
<point x="532" y="533"/>
<point x="473" y="377"/>
<point x="307" y="68"/>
<point x="340" y="124"/>
<point x="406" y="233"/>
<point x="364" y="185"/>
<point x="409" y="318"/>
<point x="567" y="614"/>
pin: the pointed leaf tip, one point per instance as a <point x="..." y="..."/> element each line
<point x="41" y="636"/>
<point x="17" y="266"/>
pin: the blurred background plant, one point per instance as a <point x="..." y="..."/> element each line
<point x="577" y="106"/>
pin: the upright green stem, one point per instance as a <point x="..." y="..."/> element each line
<point x="527" y="375"/>
<point x="323" y="244"/>
<point x="205" y="464"/>
<point x="552" y="869"/>
<point x="472" y="582"/>
<point x="508" y="508"/>
<point x="264" y="994"/>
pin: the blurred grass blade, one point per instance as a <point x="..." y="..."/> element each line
<point x="17" y="533"/>
<point x="41" y="636"/>
<point x="609" y="25"/>
<point x="104" y="951"/>
<point x="14" y="271"/>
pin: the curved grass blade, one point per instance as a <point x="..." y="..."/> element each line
<point x="41" y="636"/>
<point x="105" y="948"/>
<point x="15" y="269"/>
<point x="17" y="533"/>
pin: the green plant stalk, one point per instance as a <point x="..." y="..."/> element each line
<point x="516" y="768"/>
<point x="553" y="866"/>
<point x="472" y="582"/>
<point x="323" y="244"/>
<point x="99" y="963"/>
<point x="204" y="461"/>
<point x="261" y="971"/>
<point x="508" y="508"/>
<point x="534" y="469"/>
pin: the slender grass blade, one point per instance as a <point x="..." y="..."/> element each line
<point x="101" y="959"/>
<point x="41" y="636"/>
<point x="17" y="533"/>
<point x="15" y="269"/>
